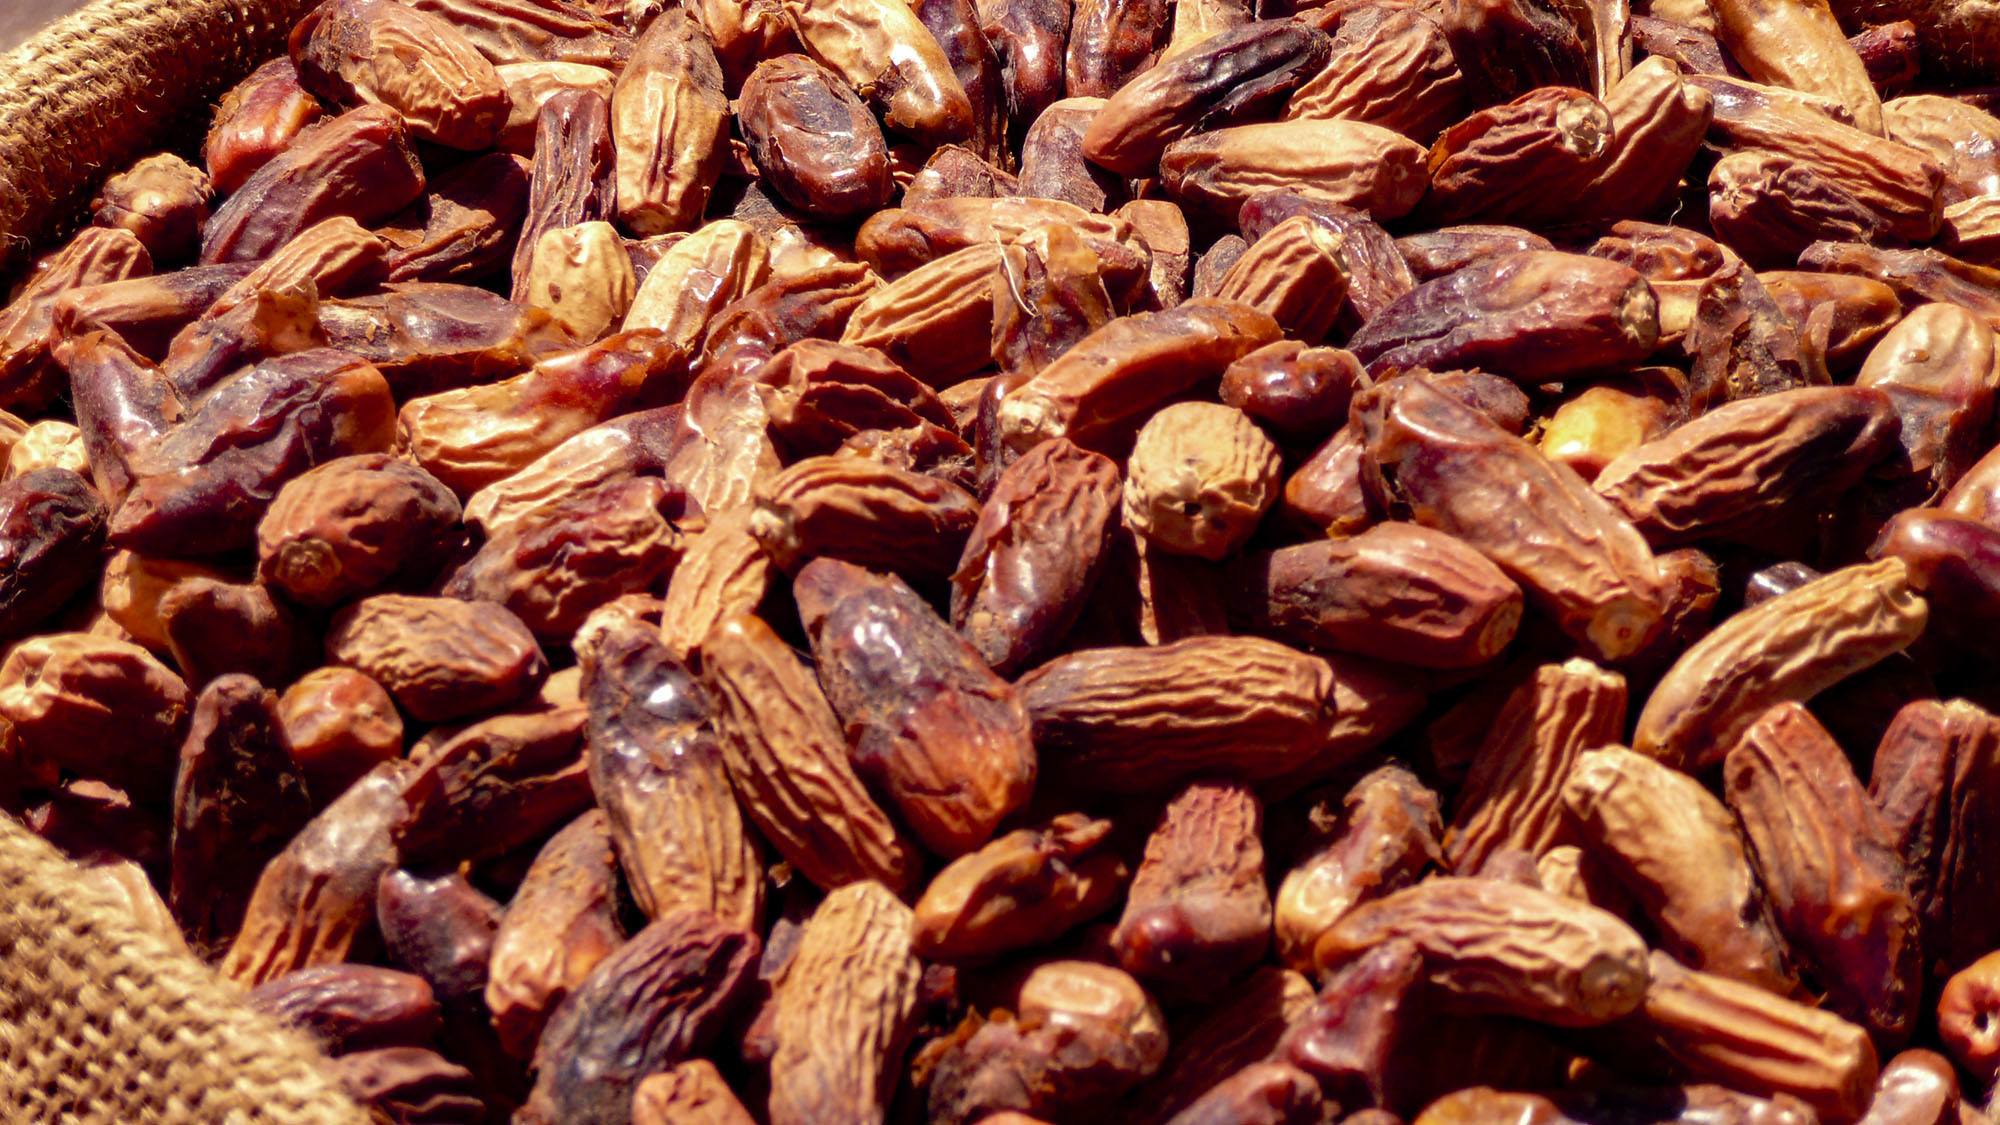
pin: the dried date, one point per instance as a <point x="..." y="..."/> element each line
<point x="1582" y="562"/>
<point x="440" y="657"/>
<point x="934" y="727"/>
<point x="1396" y="591"/>
<point x="562" y="922"/>
<point x="1198" y="910"/>
<point x="1829" y="866"/>
<point x="661" y="998"/>
<point x="238" y="800"/>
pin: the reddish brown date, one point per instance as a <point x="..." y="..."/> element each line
<point x="1111" y="41"/>
<point x="257" y="119"/>
<point x="1228" y="78"/>
<point x="353" y="525"/>
<point x="358" y="165"/>
<point x="1829" y="865"/>
<point x="51" y="540"/>
<point x="815" y="141"/>
<point x="352" y="1007"/>
<point x="932" y="725"/>
<point x="440" y="928"/>
<point x="1035" y="554"/>
<point x="1572" y="553"/>
<point x="1396" y="591"/>
<point x="562" y="921"/>
<point x="238" y="800"/>
<point x="1295" y="391"/>
<point x="1199" y="910"/>
<point x="1535" y="316"/>
<point x="440" y="657"/>
<point x="660" y="999"/>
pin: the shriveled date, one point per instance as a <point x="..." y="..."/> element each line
<point x="1142" y="719"/>
<point x="51" y="538"/>
<point x="813" y="139"/>
<point x="1585" y="967"/>
<point x="1512" y="796"/>
<point x="384" y="53"/>
<point x="1224" y="79"/>
<point x="881" y="48"/>
<point x="1198" y="909"/>
<point x="660" y="999"/>
<point x="1397" y="591"/>
<point x="1789" y="648"/>
<point x="661" y="782"/>
<point x="1674" y="849"/>
<point x="932" y="724"/>
<point x="440" y="657"/>
<point x="1459" y="472"/>
<point x="1347" y="162"/>
<point x="1022" y="889"/>
<point x="1535" y="316"/>
<point x="844" y="1010"/>
<point x="1098" y="392"/>
<point x="788" y="759"/>
<point x="863" y="512"/>
<point x="1732" y="472"/>
<point x="1829" y="863"/>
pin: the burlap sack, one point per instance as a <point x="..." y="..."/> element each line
<point x="100" y="1020"/>
<point x="114" y="81"/>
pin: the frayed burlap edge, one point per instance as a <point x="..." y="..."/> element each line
<point x="112" y="82"/>
<point x="102" y="1021"/>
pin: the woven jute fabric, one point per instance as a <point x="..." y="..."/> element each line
<point x="114" y="81"/>
<point x="102" y="1021"/>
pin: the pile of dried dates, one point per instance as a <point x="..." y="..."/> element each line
<point x="1007" y="561"/>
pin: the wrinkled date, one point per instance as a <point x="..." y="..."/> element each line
<point x="1396" y="591"/>
<point x="1733" y="472"/>
<point x="352" y="1007"/>
<point x="1081" y="1033"/>
<point x="813" y="138"/>
<point x="1382" y="838"/>
<point x="352" y="525"/>
<point x="1035" y="554"/>
<point x="660" y="780"/>
<point x="1829" y="864"/>
<point x="1461" y="473"/>
<point x="316" y="900"/>
<point x="1672" y="846"/>
<point x="1022" y="889"/>
<point x="844" y="1011"/>
<point x="1226" y="78"/>
<point x="788" y="759"/>
<point x="1537" y="314"/>
<point x="440" y="657"/>
<point x="238" y="800"/>
<point x="562" y="921"/>
<point x="660" y="999"/>
<point x="1513" y="795"/>
<point x="358" y="165"/>
<point x="1119" y="373"/>
<point x="382" y="53"/>
<point x="945" y="737"/>
<point x="670" y="121"/>
<point x="51" y="534"/>
<point x="1586" y="967"/>
<point x="1198" y="909"/>
<point x="1788" y="648"/>
<point x="1142" y="719"/>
